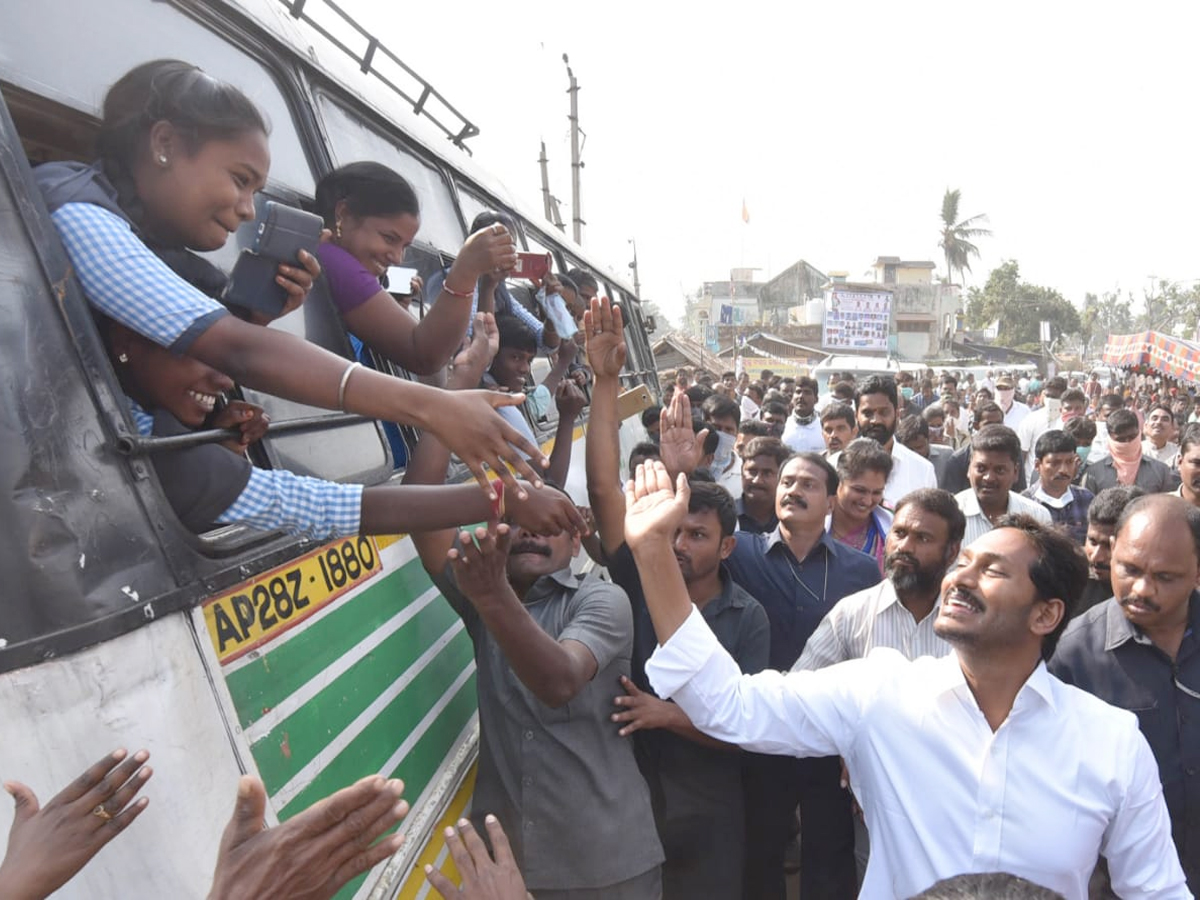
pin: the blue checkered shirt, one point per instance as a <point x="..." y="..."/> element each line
<point x="275" y="499"/>
<point x="123" y="278"/>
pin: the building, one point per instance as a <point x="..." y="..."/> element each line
<point x="789" y="297"/>
<point x="924" y="314"/>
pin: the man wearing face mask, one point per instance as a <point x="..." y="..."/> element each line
<point x="1041" y="420"/>
<point x="1055" y="462"/>
<point x="1014" y="410"/>
<point x="1125" y="462"/>
<point x="723" y="417"/>
<point x="803" y="429"/>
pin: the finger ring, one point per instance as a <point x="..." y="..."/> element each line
<point x="101" y="813"/>
<point x="597" y="331"/>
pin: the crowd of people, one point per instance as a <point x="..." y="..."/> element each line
<point x="890" y="633"/>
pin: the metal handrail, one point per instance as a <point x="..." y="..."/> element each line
<point x="457" y="133"/>
<point x="139" y="445"/>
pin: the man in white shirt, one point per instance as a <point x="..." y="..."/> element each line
<point x="876" y="402"/>
<point x="979" y="761"/>
<point x="992" y="472"/>
<point x="1159" y="429"/>
<point x="899" y="611"/>
<point x="1041" y="420"/>
<point x="1014" y="410"/>
<point x="803" y="429"/>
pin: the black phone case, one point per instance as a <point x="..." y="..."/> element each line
<point x="252" y="285"/>
<point x="284" y="231"/>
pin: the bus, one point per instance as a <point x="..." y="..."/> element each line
<point x="231" y="651"/>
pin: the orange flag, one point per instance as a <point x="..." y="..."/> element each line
<point x="745" y="212"/>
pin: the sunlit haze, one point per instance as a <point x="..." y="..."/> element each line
<point x="1072" y="126"/>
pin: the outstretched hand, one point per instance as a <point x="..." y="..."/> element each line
<point x="605" y="337"/>
<point x="681" y="446"/>
<point x="653" y="508"/>
<point x="474" y="358"/>
<point x="480" y="562"/>
<point x="482" y="878"/>
<point x="312" y="854"/>
<point x="47" y="846"/>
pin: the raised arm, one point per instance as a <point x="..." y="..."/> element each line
<point x="424" y="347"/>
<point x="682" y="447"/>
<point x="553" y="670"/>
<point x="570" y="401"/>
<point x="602" y="453"/>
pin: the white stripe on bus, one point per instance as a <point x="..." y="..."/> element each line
<point x="346" y="737"/>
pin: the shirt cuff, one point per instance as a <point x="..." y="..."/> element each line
<point x="674" y="663"/>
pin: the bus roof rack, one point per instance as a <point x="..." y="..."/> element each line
<point x="458" y="129"/>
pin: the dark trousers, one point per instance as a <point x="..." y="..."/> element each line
<point x="775" y="785"/>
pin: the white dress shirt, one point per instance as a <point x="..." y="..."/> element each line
<point x="1015" y="414"/>
<point x="1065" y="778"/>
<point x="1032" y="427"/>
<point x="861" y="622"/>
<point x="910" y="471"/>
<point x="979" y="524"/>
<point x="1169" y="454"/>
<point x="801" y="438"/>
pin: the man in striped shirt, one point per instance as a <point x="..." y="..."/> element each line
<point x="898" y="612"/>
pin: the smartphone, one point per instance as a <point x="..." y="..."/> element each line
<point x="534" y="266"/>
<point x="400" y="279"/>
<point x="633" y="401"/>
<point x="278" y="238"/>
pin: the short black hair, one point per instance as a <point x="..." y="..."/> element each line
<point x="490" y="217"/>
<point x="1121" y="420"/>
<point x="1074" y="395"/>
<point x="911" y="427"/>
<point x="697" y="394"/>
<point x="367" y="189"/>
<point x="711" y="440"/>
<point x="805" y="382"/>
<point x="933" y="410"/>
<point x="707" y="495"/>
<point x="1060" y="569"/>
<point x="863" y="455"/>
<point x="997" y="439"/>
<point x="878" y="384"/>
<point x="843" y="390"/>
<point x="651" y="415"/>
<point x="1164" y="406"/>
<point x="1054" y="441"/>
<point x="843" y="411"/>
<point x="1105" y="510"/>
<point x="940" y="503"/>
<point x="646" y="450"/>
<point x="1149" y="502"/>
<point x="1082" y="429"/>
<point x="1190" y="436"/>
<point x="1112" y="401"/>
<point x="583" y="278"/>
<point x="767" y="446"/>
<point x="754" y="428"/>
<point x="719" y="407"/>
<point x="775" y="408"/>
<point x="831" y="475"/>
<point x="514" y="333"/>
<point x="1055" y="386"/>
<point x="987" y="886"/>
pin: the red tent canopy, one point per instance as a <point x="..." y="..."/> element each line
<point x="1167" y="355"/>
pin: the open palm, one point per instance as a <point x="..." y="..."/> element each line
<point x="653" y="506"/>
<point x="604" y="331"/>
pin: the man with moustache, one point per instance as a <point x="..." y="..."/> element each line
<point x="899" y="612"/>
<point x="978" y="761"/>
<point x="839" y="426"/>
<point x="1189" y="464"/>
<point x="760" y="479"/>
<point x="695" y="782"/>
<point x="995" y="463"/>
<point x="1056" y="462"/>
<point x="876" y="401"/>
<point x="1140" y="650"/>
<point x="798" y="572"/>
<point x="1103" y="513"/>
<point x="803" y="429"/>
<point x="1159" y="430"/>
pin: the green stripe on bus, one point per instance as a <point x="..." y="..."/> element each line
<point x="380" y="740"/>
<point x="294" y="659"/>
<point x="422" y="762"/>
<point x="296" y="741"/>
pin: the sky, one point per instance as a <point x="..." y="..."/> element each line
<point x="839" y="125"/>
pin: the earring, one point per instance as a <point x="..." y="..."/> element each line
<point x="337" y="230"/>
<point x="162" y="159"/>
<point x="123" y="357"/>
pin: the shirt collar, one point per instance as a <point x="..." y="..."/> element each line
<point x="1057" y="502"/>
<point x="949" y="677"/>
<point x="775" y="538"/>
<point x="1119" y="630"/>
<point x="731" y="595"/>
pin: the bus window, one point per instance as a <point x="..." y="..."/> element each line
<point x="78" y="77"/>
<point x="352" y="140"/>
<point x="472" y="205"/>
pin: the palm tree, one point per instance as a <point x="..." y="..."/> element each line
<point x="957" y="237"/>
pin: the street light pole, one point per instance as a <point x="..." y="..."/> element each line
<point x="637" y="286"/>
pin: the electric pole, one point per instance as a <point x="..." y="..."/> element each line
<point x="576" y="164"/>
<point x="637" y="287"/>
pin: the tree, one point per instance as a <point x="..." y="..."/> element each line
<point x="958" y="237"/>
<point x="1020" y="308"/>
<point x="1103" y="316"/>
<point x="1169" y="308"/>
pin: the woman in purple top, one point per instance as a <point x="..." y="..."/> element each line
<point x="374" y="215"/>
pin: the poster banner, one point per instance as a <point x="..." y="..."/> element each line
<point x="856" y="321"/>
